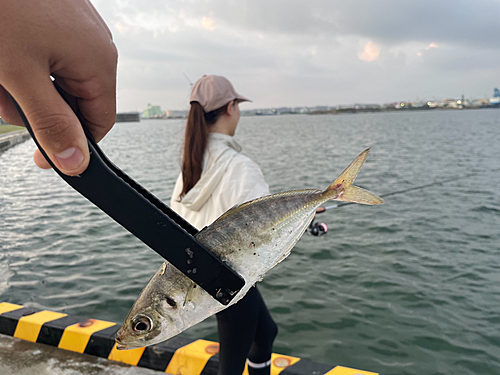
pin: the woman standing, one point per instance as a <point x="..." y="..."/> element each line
<point x="214" y="177"/>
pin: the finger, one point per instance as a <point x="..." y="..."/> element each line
<point x="89" y="77"/>
<point x="8" y="112"/>
<point x="101" y="21"/>
<point x="54" y="124"/>
<point x="105" y="105"/>
<point x="96" y="102"/>
<point x="10" y="115"/>
<point x="40" y="160"/>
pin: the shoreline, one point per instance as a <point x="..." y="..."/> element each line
<point x="385" y="110"/>
<point x="332" y="111"/>
<point x="10" y="139"/>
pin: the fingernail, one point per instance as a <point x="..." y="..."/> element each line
<point x="70" y="158"/>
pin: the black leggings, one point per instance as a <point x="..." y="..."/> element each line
<point x="246" y="330"/>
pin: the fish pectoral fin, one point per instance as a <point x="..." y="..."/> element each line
<point x="358" y="195"/>
<point x="190" y="294"/>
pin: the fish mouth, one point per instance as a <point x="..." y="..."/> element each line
<point x="121" y="346"/>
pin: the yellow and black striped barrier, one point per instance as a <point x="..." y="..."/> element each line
<point x="179" y="355"/>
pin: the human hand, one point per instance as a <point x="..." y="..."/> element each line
<point x="68" y="40"/>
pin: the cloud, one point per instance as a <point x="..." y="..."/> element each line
<point x="122" y="28"/>
<point x="304" y="52"/>
<point x="371" y="52"/>
<point x="433" y="45"/>
<point x="208" y="24"/>
<point x="313" y="50"/>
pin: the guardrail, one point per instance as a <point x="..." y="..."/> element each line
<point x="179" y="355"/>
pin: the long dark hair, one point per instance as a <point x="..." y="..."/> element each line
<point x="195" y="143"/>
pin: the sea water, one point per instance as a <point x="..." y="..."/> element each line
<point x="409" y="287"/>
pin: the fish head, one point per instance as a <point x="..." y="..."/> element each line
<point x="160" y="311"/>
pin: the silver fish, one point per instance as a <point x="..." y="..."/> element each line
<point x="251" y="238"/>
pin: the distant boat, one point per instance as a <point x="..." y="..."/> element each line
<point x="495" y="101"/>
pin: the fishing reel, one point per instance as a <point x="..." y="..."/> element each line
<point x="317" y="229"/>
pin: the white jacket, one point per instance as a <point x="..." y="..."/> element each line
<point x="228" y="178"/>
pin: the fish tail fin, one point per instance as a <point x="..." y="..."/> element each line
<point x="342" y="189"/>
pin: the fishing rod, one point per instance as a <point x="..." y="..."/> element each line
<point x="187" y="78"/>
<point x="319" y="229"/>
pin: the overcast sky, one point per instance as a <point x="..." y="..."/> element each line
<point x="305" y="53"/>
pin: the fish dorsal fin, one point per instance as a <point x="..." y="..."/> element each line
<point x="239" y="207"/>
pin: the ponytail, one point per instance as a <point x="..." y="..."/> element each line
<point x="195" y="143"/>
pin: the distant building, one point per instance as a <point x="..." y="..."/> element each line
<point x="175" y="114"/>
<point x="152" y="111"/>
<point x="321" y="108"/>
<point x="495" y="101"/>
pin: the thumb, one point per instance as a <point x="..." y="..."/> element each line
<point x="55" y="125"/>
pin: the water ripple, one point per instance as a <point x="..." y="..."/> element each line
<point x="410" y="287"/>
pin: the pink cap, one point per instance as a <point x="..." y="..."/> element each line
<point x="214" y="92"/>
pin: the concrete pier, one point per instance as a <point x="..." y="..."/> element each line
<point x="179" y="355"/>
<point x="10" y="139"/>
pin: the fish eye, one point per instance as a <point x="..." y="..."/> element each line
<point x="142" y="323"/>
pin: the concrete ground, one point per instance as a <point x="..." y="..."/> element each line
<point x="19" y="357"/>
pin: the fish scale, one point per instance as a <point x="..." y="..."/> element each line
<point x="251" y="238"/>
